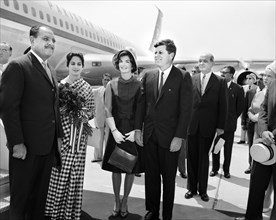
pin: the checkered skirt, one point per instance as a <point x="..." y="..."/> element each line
<point x="64" y="200"/>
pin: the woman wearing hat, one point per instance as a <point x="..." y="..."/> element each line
<point x="120" y="102"/>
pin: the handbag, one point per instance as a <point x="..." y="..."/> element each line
<point x="122" y="159"/>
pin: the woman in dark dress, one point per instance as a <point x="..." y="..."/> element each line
<point x="121" y="98"/>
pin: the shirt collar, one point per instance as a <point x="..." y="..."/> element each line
<point x="38" y="57"/>
<point x="167" y="71"/>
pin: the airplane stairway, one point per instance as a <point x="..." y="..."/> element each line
<point x="4" y="190"/>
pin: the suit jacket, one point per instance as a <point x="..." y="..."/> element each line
<point x="248" y="99"/>
<point x="29" y="103"/>
<point x="236" y="103"/>
<point x="99" y="106"/>
<point x="169" y="114"/>
<point x="209" y="110"/>
<point x="267" y="115"/>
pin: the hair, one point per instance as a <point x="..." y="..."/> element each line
<point x="7" y="44"/>
<point x="170" y="46"/>
<point x="35" y="30"/>
<point x="231" y="69"/>
<point x="107" y="75"/>
<point x="71" y="55"/>
<point x="131" y="58"/>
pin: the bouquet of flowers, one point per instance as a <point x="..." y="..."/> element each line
<point x="73" y="105"/>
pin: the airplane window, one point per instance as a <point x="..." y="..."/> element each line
<point x="16" y="5"/>
<point x="41" y="15"/>
<point x="86" y="34"/>
<point x="61" y="22"/>
<point x="81" y="31"/>
<point x="25" y="8"/>
<point x="48" y="18"/>
<point x="98" y="38"/>
<point x="72" y="27"/>
<point x="90" y="34"/>
<point x="55" y="20"/>
<point x="77" y="29"/>
<point x="67" y="25"/>
<point x="33" y="12"/>
<point x="6" y="2"/>
<point x="94" y="36"/>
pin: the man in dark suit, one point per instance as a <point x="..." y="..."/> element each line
<point x="235" y="108"/>
<point x="261" y="173"/>
<point x="30" y="113"/>
<point x="164" y="113"/>
<point x="208" y="117"/>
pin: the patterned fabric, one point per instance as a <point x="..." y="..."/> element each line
<point x="64" y="200"/>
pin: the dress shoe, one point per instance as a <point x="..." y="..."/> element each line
<point x="189" y="195"/>
<point x="227" y="175"/>
<point x="204" y="197"/>
<point x="183" y="175"/>
<point x="150" y="216"/>
<point x="241" y="142"/>
<point x="247" y="171"/>
<point x="213" y="173"/>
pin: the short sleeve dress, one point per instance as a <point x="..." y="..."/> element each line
<point x="121" y="98"/>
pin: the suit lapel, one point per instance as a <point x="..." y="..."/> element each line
<point x="198" y="83"/>
<point x="39" y="67"/>
<point x="210" y="83"/>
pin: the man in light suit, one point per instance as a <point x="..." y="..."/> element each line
<point x="30" y="113"/>
<point x="164" y="113"/>
<point x="236" y="102"/>
<point x="261" y="173"/>
<point x="100" y="118"/>
<point x="208" y="117"/>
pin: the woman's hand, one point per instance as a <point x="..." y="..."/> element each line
<point x="118" y="137"/>
<point x="130" y="136"/>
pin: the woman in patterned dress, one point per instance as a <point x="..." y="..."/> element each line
<point x="121" y="97"/>
<point x="64" y="198"/>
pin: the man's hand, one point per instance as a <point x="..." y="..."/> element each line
<point x="268" y="137"/>
<point x="139" y="138"/>
<point x="220" y="131"/>
<point x="19" y="151"/>
<point x="175" y="144"/>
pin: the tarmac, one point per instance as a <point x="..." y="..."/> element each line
<point x="228" y="197"/>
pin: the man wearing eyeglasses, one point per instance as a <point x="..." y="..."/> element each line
<point x="236" y="102"/>
<point x="5" y="54"/>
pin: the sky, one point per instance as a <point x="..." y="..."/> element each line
<point x="228" y="29"/>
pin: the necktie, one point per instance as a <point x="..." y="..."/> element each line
<point x="161" y="83"/>
<point x="203" y="84"/>
<point x="47" y="71"/>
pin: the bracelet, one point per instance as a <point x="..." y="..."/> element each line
<point x="113" y="130"/>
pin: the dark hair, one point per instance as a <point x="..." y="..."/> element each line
<point x="35" y="30"/>
<point x="170" y="46"/>
<point x="231" y="69"/>
<point x="131" y="58"/>
<point x="107" y="75"/>
<point x="71" y="55"/>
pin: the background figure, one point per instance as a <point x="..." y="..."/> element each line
<point x="5" y="54"/>
<point x="195" y="70"/>
<point x="208" y="117"/>
<point x="64" y="198"/>
<point x="101" y="127"/>
<point x="29" y="109"/>
<point x="262" y="173"/>
<point x="250" y="80"/>
<point x="121" y="102"/>
<point x="235" y="108"/>
<point x="164" y="114"/>
<point x="248" y="125"/>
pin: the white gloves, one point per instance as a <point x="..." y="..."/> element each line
<point x="118" y="136"/>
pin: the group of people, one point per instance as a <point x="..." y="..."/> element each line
<point x="152" y="118"/>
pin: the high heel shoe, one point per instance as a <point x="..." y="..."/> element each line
<point x="124" y="214"/>
<point x="115" y="213"/>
